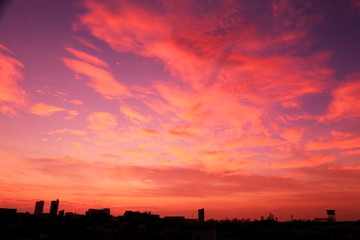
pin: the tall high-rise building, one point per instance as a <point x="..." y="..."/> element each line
<point x="201" y="215"/>
<point x="54" y="207"/>
<point x="39" y="207"/>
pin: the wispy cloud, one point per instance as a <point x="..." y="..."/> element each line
<point x="87" y="57"/>
<point x="45" y="110"/>
<point x="105" y="126"/>
<point x="100" y="80"/>
<point x="133" y="115"/>
<point x="345" y="102"/>
<point x="70" y="131"/>
<point x="12" y="96"/>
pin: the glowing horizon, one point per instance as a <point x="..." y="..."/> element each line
<point x="166" y="106"/>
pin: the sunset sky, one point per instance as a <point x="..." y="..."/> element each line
<point x="239" y="107"/>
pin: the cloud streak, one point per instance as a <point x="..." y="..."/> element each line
<point x="12" y="96"/>
<point x="45" y="110"/>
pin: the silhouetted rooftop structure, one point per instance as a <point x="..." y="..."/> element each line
<point x="69" y="214"/>
<point x="331" y="215"/>
<point x="137" y="215"/>
<point x="7" y="211"/>
<point x="98" y="212"/>
<point x="61" y="213"/>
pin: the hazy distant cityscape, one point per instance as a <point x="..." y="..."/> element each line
<point x="54" y="211"/>
<point x="100" y="224"/>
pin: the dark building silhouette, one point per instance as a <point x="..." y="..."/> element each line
<point x="62" y="213"/>
<point x="331" y="215"/>
<point x="54" y="207"/>
<point x="201" y="215"/>
<point x="271" y="217"/>
<point x="7" y="211"/>
<point x="98" y="212"/>
<point x="69" y="214"/>
<point x="174" y="218"/>
<point x="321" y="220"/>
<point x="130" y="215"/>
<point x="39" y="208"/>
<point x="203" y="232"/>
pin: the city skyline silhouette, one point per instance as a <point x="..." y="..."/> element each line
<point x="106" y="212"/>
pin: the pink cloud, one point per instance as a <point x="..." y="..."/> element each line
<point x="345" y="102"/>
<point x="293" y="135"/>
<point x="223" y="65"/>
<point x="87" y="57"/>
<point x="255" y="141"/>
<point x="76" y="101"/>
<point x="341" y="135"/>
<point x="100" y="120"/>
<point x="150" y="131"/>
<point x="348" y="143"/>
<point x="199" y="51"/>
<point x="133" y="115"/>
<point x="101" y="80"/>
<point x="70" y="131"/>
<point x="351" y="152"/>
<point x="312" y="161"/>
<point x="12" y="96"/>
<point x="87" y="43"/>
<point x="105" y="127"/>
<point x="346" y="168"/>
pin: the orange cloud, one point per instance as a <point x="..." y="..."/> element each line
<point x="334" y="144"/>
<point x="12" y="95"/>
<point x="255" y="141"/>
<point x="150" y="131"/>
<point x="133" y="115"/>
<point x="351" y="152"/>
<point x="100" y="120"/>
<point x="346" y="168"/>
<point x="70" y="131"/>
<point x="341" y="135"/>
<point x="46" y="110"/>
<point x="76" y="101"/>
<point x="308" y="162"/>
<point x="105" y="126"/>
<point x="293" y="135"/>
